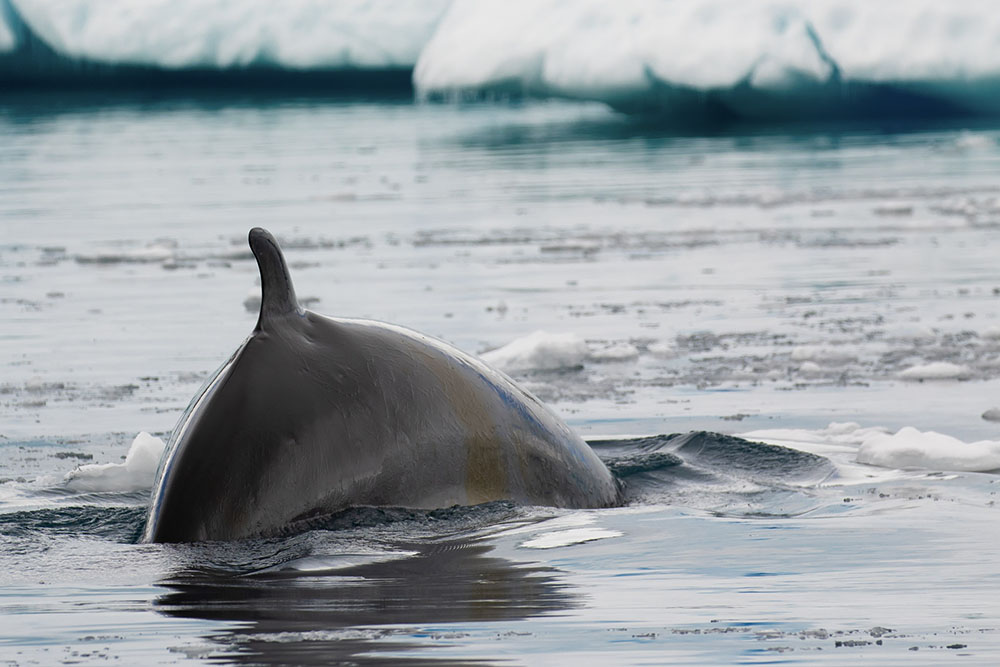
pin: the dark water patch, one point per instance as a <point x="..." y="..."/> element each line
<point x="416" y="521"/>
<point x="119" y="524"/>
<point x="343" y="615"/>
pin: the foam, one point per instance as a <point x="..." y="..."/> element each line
<point x="136" y="473"/>
<point x="221" y="34"/>
<point x="753" y="58"/>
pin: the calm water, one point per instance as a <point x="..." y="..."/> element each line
<point x="725" y="279"/>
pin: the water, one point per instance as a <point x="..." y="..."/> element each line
<point x="758" y="278"/>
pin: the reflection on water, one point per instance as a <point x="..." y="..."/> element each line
<point x="304" y="613"/>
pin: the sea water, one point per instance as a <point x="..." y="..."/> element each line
<point x="831" y="290"/>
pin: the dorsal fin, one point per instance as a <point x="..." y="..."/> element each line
<point x="277" y="296"/>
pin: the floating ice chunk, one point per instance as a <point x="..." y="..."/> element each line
<point x="826" y="355"/>
<point x="936" y="370"/>
<point x="662" y="349"/>
<point x="811" y="368"/>
<point x="252" y="301"/>
<point x="991" y="333"/>
<point x="911" y="331"/>
<point x="910" y="448"/>
<point x="615" y="352"/>
<point x="540" y="351"/>
<point x="135" y="474"/>
<point x="158" y="251"/>
<point x="219" y="34"/>
<point x="564" y="538"/>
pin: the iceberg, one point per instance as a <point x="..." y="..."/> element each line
<point x="42" y="39"/>
<point x="713" y="58"/>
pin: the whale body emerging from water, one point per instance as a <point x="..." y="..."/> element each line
<point x="314" y="414"/>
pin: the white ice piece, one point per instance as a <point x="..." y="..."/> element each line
<point x="910" y="448"/>
<point x="134" y="474"/>
<point x="540" y="351"/>
<point x="936" y="370"/>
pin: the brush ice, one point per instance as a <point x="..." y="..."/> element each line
<point x="937" y="370"/>
<point x="135" y="474"/>
<point x="910" y="448"/>
<point x="615" y="352"/>
<point x="565" y="538"/>
<point x="225" y="34"/>
<point x="540" y="351"/>
<point x="758" y="58"/>
<point x="160" y="251"/>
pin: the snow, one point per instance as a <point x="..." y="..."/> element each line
<point x="136" y="473"/>
<point x="754" y="56"/>
<point x="174" y="34"/>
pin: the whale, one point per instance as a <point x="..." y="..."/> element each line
<point x="313" y="415"/>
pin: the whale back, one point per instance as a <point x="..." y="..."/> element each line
<point x="314" y="414"/>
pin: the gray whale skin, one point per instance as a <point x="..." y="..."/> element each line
<point x="312" y="415"/>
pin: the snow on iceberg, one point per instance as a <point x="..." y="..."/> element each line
<point x="217" y="34"/>
<point x="757" y="58"/>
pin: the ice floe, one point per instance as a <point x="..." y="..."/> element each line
<point x="936" y="370"/>
<point x="910" y="448"/>
<point x="540" y="350"/>
<point x="907" y="448"/>
<point x="134" y="474"/>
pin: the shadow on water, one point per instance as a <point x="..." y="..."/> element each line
<point x="308" y="612"/>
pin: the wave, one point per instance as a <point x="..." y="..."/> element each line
<point x="119" y="524"/>
<point x="759" y="59"/>
<point x="328" y="45"/>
